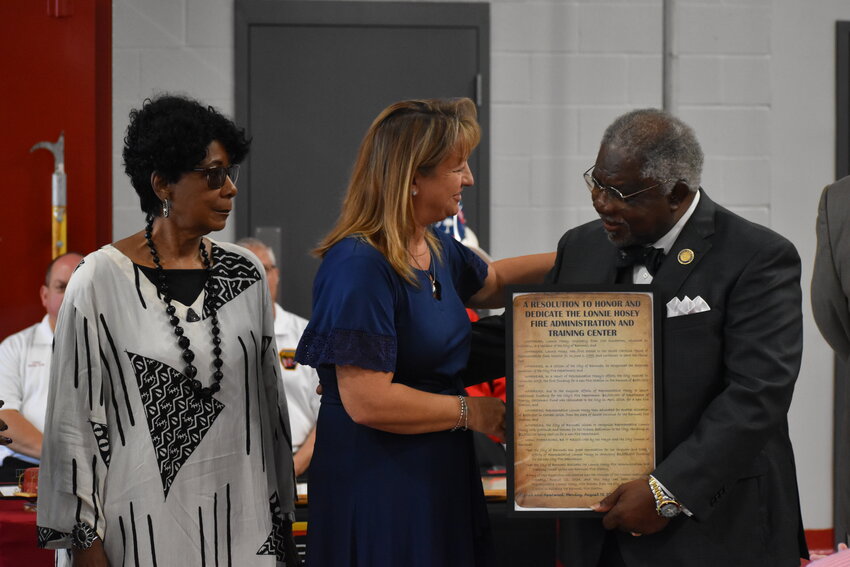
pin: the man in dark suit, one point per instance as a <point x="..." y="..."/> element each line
<point x="724" y="491"/>
<point x="830" y="297"/>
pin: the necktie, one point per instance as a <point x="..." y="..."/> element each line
<point x="641" y="255"/>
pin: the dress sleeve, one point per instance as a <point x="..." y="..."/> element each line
<point x="468" y="270"/>
<point x="278" y="410"/>
<point x="75" y="452"/>
<point x="353" y="319"/>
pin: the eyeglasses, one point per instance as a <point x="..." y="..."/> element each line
<point x="594" y="185"/>
<point x="217" y="175"/>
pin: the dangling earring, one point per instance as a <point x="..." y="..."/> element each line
<point x="166" y="208"/>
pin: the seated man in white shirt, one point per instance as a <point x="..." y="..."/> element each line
<point x="25" y="374"/>
<point x="299" y="382"/>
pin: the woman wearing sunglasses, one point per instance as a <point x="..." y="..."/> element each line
<point x="167" y="427"/>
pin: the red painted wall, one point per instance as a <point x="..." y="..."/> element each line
<point x="56" y="76"/>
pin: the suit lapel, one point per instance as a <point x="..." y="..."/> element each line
<point x="695" y="236"/>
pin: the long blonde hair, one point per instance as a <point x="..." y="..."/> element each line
<point x="408" y="137"/>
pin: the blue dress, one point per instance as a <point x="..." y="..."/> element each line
<point x="383" y="499"/>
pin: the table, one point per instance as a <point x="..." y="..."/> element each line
<point x="18" y="536"/>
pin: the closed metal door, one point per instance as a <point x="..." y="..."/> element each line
<point x="311" y="77"/>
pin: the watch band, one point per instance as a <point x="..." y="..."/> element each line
<point x="665" y="505"/>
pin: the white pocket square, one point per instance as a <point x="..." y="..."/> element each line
<point x="686" y="306"/>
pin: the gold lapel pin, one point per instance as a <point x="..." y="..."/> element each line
<point x="685" y="256"/>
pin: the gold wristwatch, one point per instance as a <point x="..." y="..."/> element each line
<point x="665" y="505"/>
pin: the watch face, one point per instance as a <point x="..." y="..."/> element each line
<point x="670" y="510"/>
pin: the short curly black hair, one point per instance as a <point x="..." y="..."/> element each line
<point x="169" y="135"/>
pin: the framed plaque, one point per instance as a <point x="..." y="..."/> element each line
<point x="583" y="373"/>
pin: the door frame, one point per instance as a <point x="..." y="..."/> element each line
<point x="251" y="13"/>
<point x="842" y="99"/>
<point x="842" y="169"/>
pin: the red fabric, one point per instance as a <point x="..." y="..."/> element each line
<point x="493" y="389"/>
<point x="18" y="537"/>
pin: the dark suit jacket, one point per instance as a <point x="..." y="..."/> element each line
<point x="728" y="375"/>
<point x="830" y="296"/>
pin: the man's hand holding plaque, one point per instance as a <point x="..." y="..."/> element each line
<point x="631" y="508"/>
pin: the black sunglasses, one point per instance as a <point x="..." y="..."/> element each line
<point x="217" y="175"/>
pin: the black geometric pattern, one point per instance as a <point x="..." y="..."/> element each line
<point x="46" y="535"/>
<point x="177" y="417"/>
<point x="275" y="544"/>
<point x="102" y="437"/>
<point x="231" y="275"/>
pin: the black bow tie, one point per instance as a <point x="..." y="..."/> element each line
<point x="641" y="255"/>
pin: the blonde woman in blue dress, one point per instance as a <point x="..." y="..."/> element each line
<point x="394" y="479"/>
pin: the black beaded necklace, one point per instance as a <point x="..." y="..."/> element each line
<point x="183" y="341"/>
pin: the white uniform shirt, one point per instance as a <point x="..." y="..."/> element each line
<point x="25" y="376"/>
<point x="299" y="381"/>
